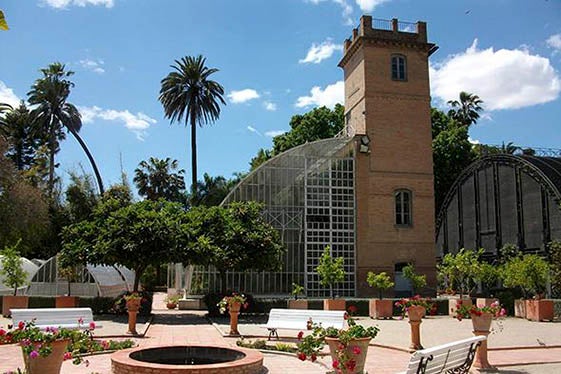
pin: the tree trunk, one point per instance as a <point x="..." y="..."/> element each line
<point x="193" y="152"/>
<point x="223" y="286"/>
<point x="331" y="291"/>
<point x="52" y="150"/>
<point x="137" y="274"/>
<point x="68" y="288"/>
<point x="90" y="157"/>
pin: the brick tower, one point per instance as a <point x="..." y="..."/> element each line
<point x="387" y="108"/>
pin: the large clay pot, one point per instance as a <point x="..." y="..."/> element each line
<point x="334" y="304"/>
<point x="297" y="304"/>
<point x="362" y="343"/>
<point x="13" y="302"/>
<point x="520" y="308"/>
<point x="235" y="307"/>
<point x="50" y="364"/>
<point x="66" y="301"/>
<point x="380" y="308"/>
<point x="482" y="322"/>
<point x="133" y="305"/>
<point x="416" y="313"/>
<point x="539" y="310"/>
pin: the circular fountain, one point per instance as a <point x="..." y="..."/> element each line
<point x="186" y="359"/>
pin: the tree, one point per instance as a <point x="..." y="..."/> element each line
<point x="81" y="198"/>
<point x="3" y="23"/>
<point x="234" y="238"/>
<point x="331" y="270"/>
<point x="554" y="248"/>
<point x="50" y="94"/>
<point x="156" y="179"/>
<point x="466" y="111"/>
<point x="262" y="156"/>
<point x="418" y="281"/>
<point x="12" y="267"/>
<point x="212" y="190"/>
<point x="462" y="269"/>
<point x="187" y="94"/>
<point x="530" y="273"/>
<point x="381" y="281"/>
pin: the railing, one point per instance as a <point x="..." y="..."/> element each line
<point x="519" y="150"/>
<point x="394" y="25"/>
<point x="382" y="24"/>
<point x="406" y="27"/>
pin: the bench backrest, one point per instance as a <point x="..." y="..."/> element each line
<point x="54" y="317"/>
<point x="445" y="357"/>
<point x="298" y="318"/>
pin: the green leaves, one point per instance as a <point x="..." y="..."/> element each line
<point x="12" y="267"/>
<point x="462" y="269"/>
<point x="330" y="269"/>
<point x="3" y="23"/>
<point x="381" y="281"/>
<point x="418" y="281"/>
<point x="529" y="272"/>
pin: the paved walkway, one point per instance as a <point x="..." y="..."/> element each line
<point x="181" y="327"/>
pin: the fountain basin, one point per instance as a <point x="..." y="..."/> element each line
<point x="186" y="359"/>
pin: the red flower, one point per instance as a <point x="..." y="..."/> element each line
<point x="346" y="316"/>
<point x="335" y="364"/>
<point x="300" y="335"/>
<point x="341" y="347"/>
<point x="302" y="356"/>
<point x="67" y="356"/>
<point x="21" y="325"/>
<point x="2" y="332"/>
<point x="352" y="309"/>
<point x="92" y="325"/>
<point x="313" y="357"/>
<point x="351" y="365"/>
<point x="357" y="350"/>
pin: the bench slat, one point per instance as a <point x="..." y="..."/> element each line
<point x="55" y="317"/>
<point x="297" y="319"/>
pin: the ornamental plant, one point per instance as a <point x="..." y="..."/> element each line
<point x="309" y="347"/>
<point x="12" y="267"/>
<point x="530" y="273"/>
<point x="297" y="290"/>
<point x="462" y="270"/>
<point x="405" y="303"/>
<point x="330" y="270"/>
<point x="227" y="302"/>
<point x="381" y="281"/>
<point x="418" y="281"/>
<point x="467" y="311"/>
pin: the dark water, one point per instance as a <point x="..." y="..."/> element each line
<point x="186" y="355"/>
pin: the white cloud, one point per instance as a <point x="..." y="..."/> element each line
<point x="137" y="123"/>
<point x="253" y="130"/>
<point x="271" y="107"/>
<point x="347" y="10"/>
<point x="503" y="79"/>
<point x="95" y="66"/>
<point x="331" y="95"/>
<point x="62" y="4"/>
<point x="242" y="96"/>
<point x="274" y="133"/>
<point x="554" y="41"/>
<point x="473" y="141"/>
<point x="8" y="96"/>
<point x="369" y="5"/>
<point x="319" y="52"/>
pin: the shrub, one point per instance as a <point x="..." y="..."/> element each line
<point x="330" y="270"/>
<point x="381" y="281"/>
<point x="418" y="281"/>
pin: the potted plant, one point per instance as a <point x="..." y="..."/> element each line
<point x="133" y="306"/>
<point x="416" y="308"/>
<point x="171" y="301"/>
<point x="70" y="274"/>
<point x="487" y="277"/>
<point x="297" y="303"/>
<point x="14" y="276"/>
<point x="233" y="305"/>
<point x="331" y="271"/>
<point x="418" y="281"/>
<point x="481" y="318"/>
<point x="348" y="347"/>
<point x="380" y="308"/>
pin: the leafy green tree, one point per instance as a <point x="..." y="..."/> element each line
<point x="188" y="94"/>
<point x="331" y="270"/>
<point x="530" y="273"/>
<point x="157" y="179"/>
<point x="418" y="281"/>
<point x="81" y="198"/>
<point x="466" y="110"/>
<point x="262" y="156"/>
<point x="12" y="267"/>
<point x="488" y="275"/>
<point x="381" y="282"/>
<point x="211" y="191"/>
<point x="49" y="95"/>
<point x="461" y="270"/>
<point x="554" y="248"/>
<point x="508" y="252"/>
<point x="234" y="238"/>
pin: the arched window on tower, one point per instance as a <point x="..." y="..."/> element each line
<point x="403" y="216"/>
<point x="399" y="68"/>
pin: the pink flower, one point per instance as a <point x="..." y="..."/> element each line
<point x="25" y="342"/>
<point x="357" y="350"/>
<point x="105" y="344"/>
<point x="92" y="325"/>
<point x="300" y="335"/>
<point x="21" y="325"/>
<point x="67" y="356"/>
<point x="2" y="332"/>
<point x="351" y="364"/>
<point x="80" y="321"/>
<point x="502" y="313"/>
<point x="33" y="354"/>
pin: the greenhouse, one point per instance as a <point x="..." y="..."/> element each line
<point x="30" y="268"/>
<point x="92" y="280"/>
<point x="308" y="194"/>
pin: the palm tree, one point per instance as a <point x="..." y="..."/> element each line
<point x="466" y="111"/>
<point x="187" y="94"/>
<point x="50" y="93"/>
<point x="155" y="179"/>
<point x="211" y="190"/>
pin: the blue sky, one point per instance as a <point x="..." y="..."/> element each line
<point x="276" y="59"/>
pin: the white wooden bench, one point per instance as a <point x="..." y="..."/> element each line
<point x="297" y="319"/>
<point x="69" y="318"/>
<point x="455" y="357"/>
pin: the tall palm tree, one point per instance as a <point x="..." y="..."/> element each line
<point x="155" y="179"/>
<point x="50" y="93"/>
<point x="187" y="94"/>
<point x="466" y="111"/>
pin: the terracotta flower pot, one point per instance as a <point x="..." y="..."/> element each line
<point x="539" y="310"/>
<point x="416" y="313"/>
<point x="13" y="302"/>
<point x="482" y="323"/>
<point x="235" y="307"/>
<point x="171" y="305"/>
<point x="47" y="365"/>
<point x="520" y="308"/>
<point x="297" y="304"/>
<point x="380" y="308"/>
<point x="66" y="301"/>
<point x="334" y="304"/>
<point x="133" y="305"/>
<point x="362" y="344"/>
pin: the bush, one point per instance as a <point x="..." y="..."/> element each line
<point x="42" y="302"/>
<point x="98" y="304"/>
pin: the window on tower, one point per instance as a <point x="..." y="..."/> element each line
<point x="403" y="208"/>
<point x="399" y="68"/>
